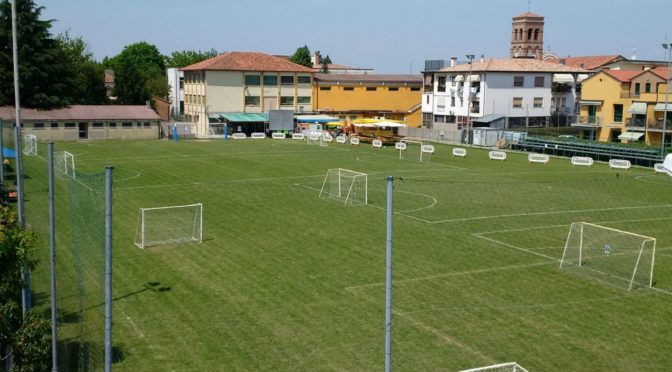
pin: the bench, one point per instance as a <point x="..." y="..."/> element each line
<point x="582" y="160"/>
<point x="538" y="158"/>
<point x="497" y="155"/>
<point x="458" y="151"/>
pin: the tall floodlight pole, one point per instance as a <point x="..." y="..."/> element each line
<point x="52" y="260"/>
<point x="388" y="277"/>
<point x="668" y="51"/>
<point x="471" y="59"/>
<point x="25" y="274"/>
<point x="108" y="269"/>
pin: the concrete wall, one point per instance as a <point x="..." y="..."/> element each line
<point x="499" y="93"/>
<point x="100" y="130"/>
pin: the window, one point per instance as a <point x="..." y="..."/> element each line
<point x="427" y="100"/>
<point x="38" y="125"/>
<point x="517" y="102"/>
<point x="286" y="80"/>
<point x="286" y="101"/>
<point x="54" y="125"/>
<point x="112" y="125"/>
<point x="348" y="89"/>
<point x="98" y="125"/>
<point x="70" y="125"/>
<point x="181" y="83"/>
<point x="127" y="124"/>
<point x="439" y="118"/>
<point x="270" y="79"/>
<point x="303" y="100"/>
<point x="393" y="89"/>
<point x="303" y="79"/>
<point x="452" y="101"/>
<point x="518" y="81"/>
<point x="325" y="88"/>
<point x="441" y="84"/>
<point x="647" y="88"/>
<point x="147" y="124"/>
<point x="415" y="89"/>
<point x="252" y="101"/>
<point x="618" y="113"/>
<point x="252" y="80"/>
<point x="538" y="81"/>
<point x="426" y="120"/>
<point x="637" y="87"/>
<point x="371" y="89"/>
<point x="538" y="102"/>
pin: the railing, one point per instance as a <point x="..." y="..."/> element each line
<point x="657" y="124"/>
<point x="559" y="110"/>
<point x="589" y="120"/>
<point x="634" y="123"/>
<point x="428" y="88"/>
<point x="475" y="109"/>
<point x="629" y="95"/>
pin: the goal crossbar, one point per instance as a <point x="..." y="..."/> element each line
<point x="345" y="185"/>
<point x="169" y="225"/>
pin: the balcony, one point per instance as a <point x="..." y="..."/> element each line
<point x="559" y="110"/>
<point x="428" y="88"/>
<point x="628" y="94"/>
<point x="657" y="125"/>
<point x="635" y="124"/>
<point x="595" y="121"/>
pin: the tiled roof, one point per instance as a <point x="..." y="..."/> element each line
<point x="622" y="75"/>
<point x="513" y="65"/>
<point x="334" y="66"/>
<point x="84" y="112"/>
<point x="528" y="15"/>
<point x="247" y="61"/>
<point x="587" y="62"/>
<point x="369" y="78"/>
<point x="663" y="72"/>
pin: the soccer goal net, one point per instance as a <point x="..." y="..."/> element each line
<point x="64" y="165"/>
<point x="30" y="145"/>
<point x="504" y="367"/>
<point x="346" y="186"/>
<point x="169" y="225"/>
<point x="412" y="150"/>
<point x="618" y="257"/>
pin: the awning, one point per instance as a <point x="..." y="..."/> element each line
<point x="563" y="78"/>
<point x="489" y="118"/>
<point x="631" y="136"/>
<point x="8" y="153"/>
<point x="459" y="78"/>
<point x="638" y="108"/>
<point x="239" y="117"/>
<point x="661" y="107"/>
<point x="474" y="77"/>
<point x="590" y="103"/>
<point x="315" y="118"/>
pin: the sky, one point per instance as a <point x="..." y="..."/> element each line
<point x="389" y="36"/>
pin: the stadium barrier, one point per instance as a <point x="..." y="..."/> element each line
<point x="619" y="164"/>
<point x="298" y="136"/>
<point x="377" y="143"/>
<point x="458" y="151"/>
<point x="354" y="141"/>
<point x="278" y="135"/>
<point x="497" y="155"/>
<point x="582" y="160"/>
<point x="239" y="136"/>
<point x="258" y="135"/>
<point x="538" y="158"/>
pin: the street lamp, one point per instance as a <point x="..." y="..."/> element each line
<point x="668" y="51"/>
<point x="470" y="57"/>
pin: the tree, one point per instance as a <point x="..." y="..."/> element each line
<point x="327" y="60"/>
<point x="188" y="57"/>
<point x="86" y="75"/>
<point x="138" y="70"/>
<point x="42" y="72"/>
<point x="26" y="336"/>
<point x="302" y="57"/>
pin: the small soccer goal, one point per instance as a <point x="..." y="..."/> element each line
<point x="169" y="225"/>
<point x="345" y="186"/>
<point x="412" y="151"/>
<point x="503" y="367"/>
<point x="30" y="145"/>
<point x="64" y="165"/>
<point x="618" y="257"/>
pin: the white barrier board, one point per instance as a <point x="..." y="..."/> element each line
<point x="497" y="155"/>
<point x="298" y="136"/>
<point x="619" y="164"/>
<point x="258" y="135"/>
<point x="458" y="151"/>
<point x="582" y="160"/>
<point x="278" y="135"/>
<point x="538" y="158"/>
<point x="377" y="143"/>
<point x="239" y="136"/>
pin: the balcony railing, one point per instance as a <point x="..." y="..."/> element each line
<point x="475" y="110"/>
<point x="635" y="123"/>
<point x="657" y="124"/>
<point x="589" y="120"/>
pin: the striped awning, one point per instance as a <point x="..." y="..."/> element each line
<point x="638" y="108"/>
<point x="239" y="117"/>
<point x="661" y="107"/>
<point x="631" y="136"/>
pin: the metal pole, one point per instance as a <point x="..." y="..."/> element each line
<point x="2" y="154"/>
<point x="108" y="269"/>
<point x="25" y="274"/>
<point x="388" y="277"/>
<point x="52" y="260"/>
<point x="668" y="49"/>
<point x="471" y="60"/>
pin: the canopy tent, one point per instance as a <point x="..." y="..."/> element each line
<point x="8" y="153"/>
<point x="380" y="124"/>
<point x="334" y="124"/>
<point x="631" y="136"/>
<point x="315" y="118"/>
<point x="239" y="117"/>
<point x="638" y="108"/>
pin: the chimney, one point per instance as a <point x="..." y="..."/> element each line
<point x="148" y="104"/>
<point x="453" y="61"/>
<point x="482" y="58"/>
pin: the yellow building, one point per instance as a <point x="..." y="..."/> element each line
<point x="351" y="97"/>
<point x="625" y="106"/>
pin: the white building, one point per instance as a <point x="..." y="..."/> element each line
<point x="176" y="83"/>
<point x="240" y="88"/>
<point x="521" y="91"/>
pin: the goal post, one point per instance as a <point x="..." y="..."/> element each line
<point x="30" y="145"/>
<point x="412" y="150"/>
<point x="169" y="225"/>
<point x="64" y="165"/>
<point x="503" y="367"/>
<point x="346" y="186"/>
<point x="619" y="257"/>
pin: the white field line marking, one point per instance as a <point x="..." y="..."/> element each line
<point x="429" y="329"/>
<point x="400" y="214"/>
<point x="211" y="155"/>
<point x="567" y="225"/>
<point x="446" y="275"/>
<point x="530" y="306"/>
<point x="515" y="247"/>
<point x="438" y="165"/>
<point x="136" y="175"/>
<point x="551" y="213"/>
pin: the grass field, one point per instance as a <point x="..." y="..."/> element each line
<point x="286" y="281"/>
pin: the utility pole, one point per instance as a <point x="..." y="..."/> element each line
<point x="470" y="57"/>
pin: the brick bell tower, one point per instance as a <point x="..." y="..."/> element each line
<point x="527" y="36"/>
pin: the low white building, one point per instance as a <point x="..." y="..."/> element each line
<point x="521" y="91"/>
<point x="240" y="88"/>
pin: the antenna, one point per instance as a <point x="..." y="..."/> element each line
<point x="529" y="3"/>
